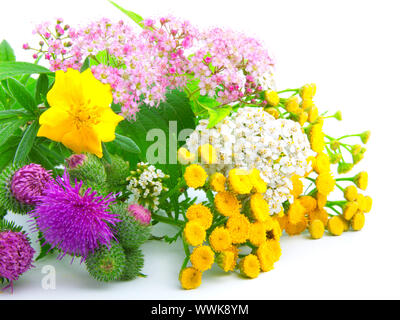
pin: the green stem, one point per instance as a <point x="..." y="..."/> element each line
<point x="289" y="90"/>
<point x="173" y="222"/>
<point x="185" y="262"/>
<point x="339" y="187"/>
<point x="348" y="136"/>
<point x="345" y="179"/>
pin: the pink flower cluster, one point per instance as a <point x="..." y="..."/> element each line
<point x="142" y="66"/>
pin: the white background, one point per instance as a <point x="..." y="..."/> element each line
<point x="351" y="50"/>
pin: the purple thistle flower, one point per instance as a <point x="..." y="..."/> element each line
<point x="29" y="182"/>
<point x="140" y="213"/>
<point x="74" y="221"/>
<point x="16" y="255"/>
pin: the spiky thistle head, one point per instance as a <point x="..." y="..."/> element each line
<point x="20" y="188"/>
<point x="107" y="263"/>
<point x="74" y="220"/>
<point x="16" y="253"/>
<point x="129" y="232"/>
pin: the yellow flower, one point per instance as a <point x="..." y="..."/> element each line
<point x="274" y="231"/>
<point x="308" y="202"/>
<point x="220" y="239"/>
<point x="335" y="226"/>
<point x="190" y="278"/>
<point x="217" y="182"/>
<point x="368" y="203"/>
<point x="238" y="226"/>
<point x="79" y="116"/>
<point x="273" y="112"/>
<point x="325" y="183"/>
<point x="297" y="185"/>
<point x="239" y="181"/>
<point x="200" y="214"/>
<point x="322" y="163"/>
<point x="226" y="261"/>
<point x="295" y="228"/>
<point x="365" y="136"/>
<point x="321" y="200"/>
<point x="207" y="154"/>
<point x="185" y="156"/>
<point x="358" y="221"/>
<point x="308" y="91"/>
<point x="312" y="114"/>
<point x="194" y="233"/>
<point x="350" y="193"/>
<point x="319" y="214"/>
<point x="227" y="204"/>
<point x="301" y="117"/>
<point x="349" y="210"/>
<point x="257" y="233"/>
<point x="272" y="97"/>
<point x="259" y="207"/>
<point x="274" y="248"/>
<point x="250" y="266"/>
<point x="361" y="180"/>
<point x="296" y="212"/>
<point x="195" y="176"/>
<point x="265" y="258"/>
<point x="306" y="104"/>
<point x="202" y="258"/>
<point x="292" y="104"/>
<point x="317" y="138"/>
<point x="259" y="184"/>
<point x="316" y="229"/>
<point x="310" y="161"/>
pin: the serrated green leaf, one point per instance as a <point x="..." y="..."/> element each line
<point x="8" y="130"/>
<point x="126" y="143"/>
<point x="26" y="143"/>
<point x="42" y="87"/>
<point x="13" y="69"/>
<point x="6" y="52"/>
<point x="134" y="16"/>
<point x="22" y="95"/>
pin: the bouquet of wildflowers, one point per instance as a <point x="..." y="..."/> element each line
<point x="114" y="124"/>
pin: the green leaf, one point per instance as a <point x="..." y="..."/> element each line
<point x="217" y="115"/>
<point x="12" y="114"/>
<point x="126" y="143"/>
<point x="22" y="95"/>
<point x="42" y="87"/>
<point x="7" y="131"/>
<point x="13" y="69"/>
<point x="6" y="52"/>
<point x="45" y="249"/>
<point x="85" y="65"/>
<point x="134" y="16"/>
<point x="176" y="108"/>
<point x="26" y="143"/>
<point x="106" y="154"/>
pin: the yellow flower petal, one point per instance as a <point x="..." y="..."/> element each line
<point x="105" y="129"/>
<point x="55" y="123"/>
<point x="83" y="140"/>
<point x="97" y="92"/>
<point x="67" y="90"/>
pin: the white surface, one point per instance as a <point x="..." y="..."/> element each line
<point x="351" y="49"/>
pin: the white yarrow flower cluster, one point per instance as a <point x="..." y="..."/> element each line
<point x="252" y="138"/>
<point x="146" y="184"/>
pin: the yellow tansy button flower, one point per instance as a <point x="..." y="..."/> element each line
<point x="79" y="116"/>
